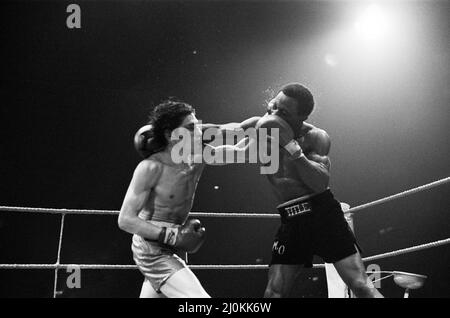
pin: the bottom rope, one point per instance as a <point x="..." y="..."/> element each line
<point x="216" y="267"/>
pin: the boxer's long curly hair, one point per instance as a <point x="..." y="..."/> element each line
<point x="167" y="116"/>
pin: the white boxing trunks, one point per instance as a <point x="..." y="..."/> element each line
<point x="155" y="261"/>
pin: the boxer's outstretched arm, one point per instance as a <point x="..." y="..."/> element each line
<point x="314" y="169"/>
<point x="246" y="149"/>
<point x="248" y="123"/>
<point x="144" y="179"/>
<point x="243" y="147"/>
<point x="223" y="128"/>
<point x="240" y="149"/>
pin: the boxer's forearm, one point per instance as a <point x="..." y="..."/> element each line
<point x="248" y="123"/>
<point x="135" y="225"/>
<point x="239" y="152"/>
<point x="221" y="153"/>
<point x="212" y="132"/>
<point x="227" y="133"/>
<point x="220" y="130"/>
<point x="207" y="126"/>
<point x="315" y="175"/>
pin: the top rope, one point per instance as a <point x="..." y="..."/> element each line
<point x="399" y="195"/>
<point x="224" y="215"/>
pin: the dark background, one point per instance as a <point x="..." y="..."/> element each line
<point x="72" y="99"/>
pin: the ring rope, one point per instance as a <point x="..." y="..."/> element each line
<point x="63" y="212"/>
<point x="407" y="250"/>
<point x="216" y="267"/>
<point x="209" y="214"/>
<point x="399" y="195"/>
<point x="115" y="212"/>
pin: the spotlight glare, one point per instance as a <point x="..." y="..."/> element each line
<point x="372" y="23"/>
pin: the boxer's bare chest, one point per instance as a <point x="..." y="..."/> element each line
<point x="177" y="184"/>
<point x="287" y="182"/>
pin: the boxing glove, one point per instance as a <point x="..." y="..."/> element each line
<point x="144" y="143"/>
<point x="286" y="134"/>
<point x="188" y="238"/>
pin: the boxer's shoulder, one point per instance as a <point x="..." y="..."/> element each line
<point x="151" y="165"/>
<point x="317" y="138"/>
<point x="146" y="174"/>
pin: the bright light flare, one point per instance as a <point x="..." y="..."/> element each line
<point x="372" y="24"/>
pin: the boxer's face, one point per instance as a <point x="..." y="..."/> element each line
<point x="287" y="108"/>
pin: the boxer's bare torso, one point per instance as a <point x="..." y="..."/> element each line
<point x="287" y="183"/>
<point x="172" y="196"/>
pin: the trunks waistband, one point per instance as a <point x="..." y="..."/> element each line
<point x="302" y="205"/>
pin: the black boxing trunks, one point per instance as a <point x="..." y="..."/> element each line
<point x="312" y="225"/>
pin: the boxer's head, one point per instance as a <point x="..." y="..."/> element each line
<point x="294" y="103"/>
<point x="168" y="116"/>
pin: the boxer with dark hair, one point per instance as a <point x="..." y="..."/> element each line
<point x="312" y="222"/>
<point x="158" y="201"/>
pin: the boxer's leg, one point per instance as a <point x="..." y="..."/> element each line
<point x="281" y="280"/>
<point x="148" y="291"/>
<point x="183" y="284"/>
<point x="352" y="271"/>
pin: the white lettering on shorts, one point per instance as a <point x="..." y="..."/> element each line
<point x="278" y="248"/>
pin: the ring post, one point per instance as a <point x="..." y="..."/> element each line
<point x="58" y="257"/>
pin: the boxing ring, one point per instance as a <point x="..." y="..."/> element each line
<point x="405" y="280"/>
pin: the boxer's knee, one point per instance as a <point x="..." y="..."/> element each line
<point x="201" y="294"/>
<point x="281" y="279"/>
<point x="147" y="291"/>
<point x="272" y="293"/>
<point x="362" y="287"/>
<point x="274" y="289"/>
<point x="183" y="284"/>
<point x="185" y="293"/>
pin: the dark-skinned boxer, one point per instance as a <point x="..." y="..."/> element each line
<point x="312" y="222"/>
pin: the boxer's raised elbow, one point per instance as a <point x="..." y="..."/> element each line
<point x="125" y="223"/>
<point x="121" y="223"/>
